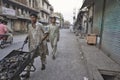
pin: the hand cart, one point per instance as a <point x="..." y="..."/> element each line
<point x="12" y="65"/>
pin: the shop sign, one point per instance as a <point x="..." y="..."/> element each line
<point x="8" y="11"/>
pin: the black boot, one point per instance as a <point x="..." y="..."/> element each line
<point x="43" y="67"/>
<point x="53" y="57"/>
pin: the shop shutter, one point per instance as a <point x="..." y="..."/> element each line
<point x="111" y="32"/>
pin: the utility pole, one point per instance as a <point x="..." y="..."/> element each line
<point x="74" y="18"/>
<point x="74" y="15"/>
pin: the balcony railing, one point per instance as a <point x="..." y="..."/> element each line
<point x="45" y="10"/>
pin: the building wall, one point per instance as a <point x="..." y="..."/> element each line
<point x="23" y="11"/>
<point x="84" y="22"/>
<point x="18" y="21"/>
<point x="45" y="11"/>
<point x="22" y="1"/>
<point x="106" y="23"/>
<point x="45" y="6"/>
<point x="16" y="25"/>
<point x="111" y="30"/>
<point x="90" y="19"/>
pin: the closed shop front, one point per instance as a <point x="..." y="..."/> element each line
<point x="20" y="25"/>
<point x="111" y="29"/>
<point x="9" y="24"/>
<point x="16" y="25"/>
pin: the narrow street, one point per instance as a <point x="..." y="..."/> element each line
<point x="17" y="43"/>
<point x="89" y="45"/>
<point x="75" y="60"/>
<point x="68" y="64"/>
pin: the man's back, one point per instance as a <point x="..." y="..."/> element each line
<point x="3" y="29"/>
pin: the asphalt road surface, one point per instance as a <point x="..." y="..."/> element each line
<point x="68" y="64"/>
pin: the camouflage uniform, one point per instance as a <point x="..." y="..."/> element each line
<point x="53" y="31"/>
<point x="35" y="36"/>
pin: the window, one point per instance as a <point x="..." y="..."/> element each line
<point x="29" y="3"/>
<point x="19" y="10"/>
<point x="46" y="16"/>
<point x="42" y="15"/>
<point x="47" y="6"/>
<point x="14" y="7"/>
<point x="43" y="2"/>
<point x="7" y="5"/>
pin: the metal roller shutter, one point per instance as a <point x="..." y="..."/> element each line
<point x="111" y="31"/>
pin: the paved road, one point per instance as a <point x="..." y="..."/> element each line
<point x="17" y="43"/>
<point x="68" y="64"/>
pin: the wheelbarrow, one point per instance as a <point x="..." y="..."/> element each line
<point x="12" y="65"/>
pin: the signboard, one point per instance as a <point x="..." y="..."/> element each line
<point x="8" y="11"/>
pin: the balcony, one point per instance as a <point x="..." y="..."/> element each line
<point x="45" y="11"/>
<point x="87" y="3"/>
<point x="23" y="16"/>
<point x="44" y="21"/>
<point x="20" y="5"/>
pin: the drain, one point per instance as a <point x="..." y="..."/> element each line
<point x="108" y="77"/>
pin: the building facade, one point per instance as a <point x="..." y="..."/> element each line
<point x="59" y="19"/>
<point x="17" y="12"/>
<point x="82" y="21"/>
<point x="103" y="20"/>
<point x="45" y="10"/>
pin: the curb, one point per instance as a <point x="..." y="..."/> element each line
<point x="90" y="68"/>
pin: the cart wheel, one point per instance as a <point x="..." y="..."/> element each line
<point x="2" y="45"/>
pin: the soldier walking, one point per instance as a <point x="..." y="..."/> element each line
<point x="53" y="31"/>
<point x="35" y="37"/>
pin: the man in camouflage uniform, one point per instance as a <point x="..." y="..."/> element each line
<point x="53" y="31"/>
<point x="35" y="37"/>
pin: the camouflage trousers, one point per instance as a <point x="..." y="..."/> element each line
<point x="43" y="61"/>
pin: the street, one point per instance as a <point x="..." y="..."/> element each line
<point x="17" y="43"/>
<point x="89" y="45"/>
<point x="68" y="65"/>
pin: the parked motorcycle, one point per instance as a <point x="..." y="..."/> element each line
<point x="5" y="40"/>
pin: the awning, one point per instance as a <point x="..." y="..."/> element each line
<point x="87" y="3"/>
<point x="8" y="16"/>
<point x="23" y="18"/>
